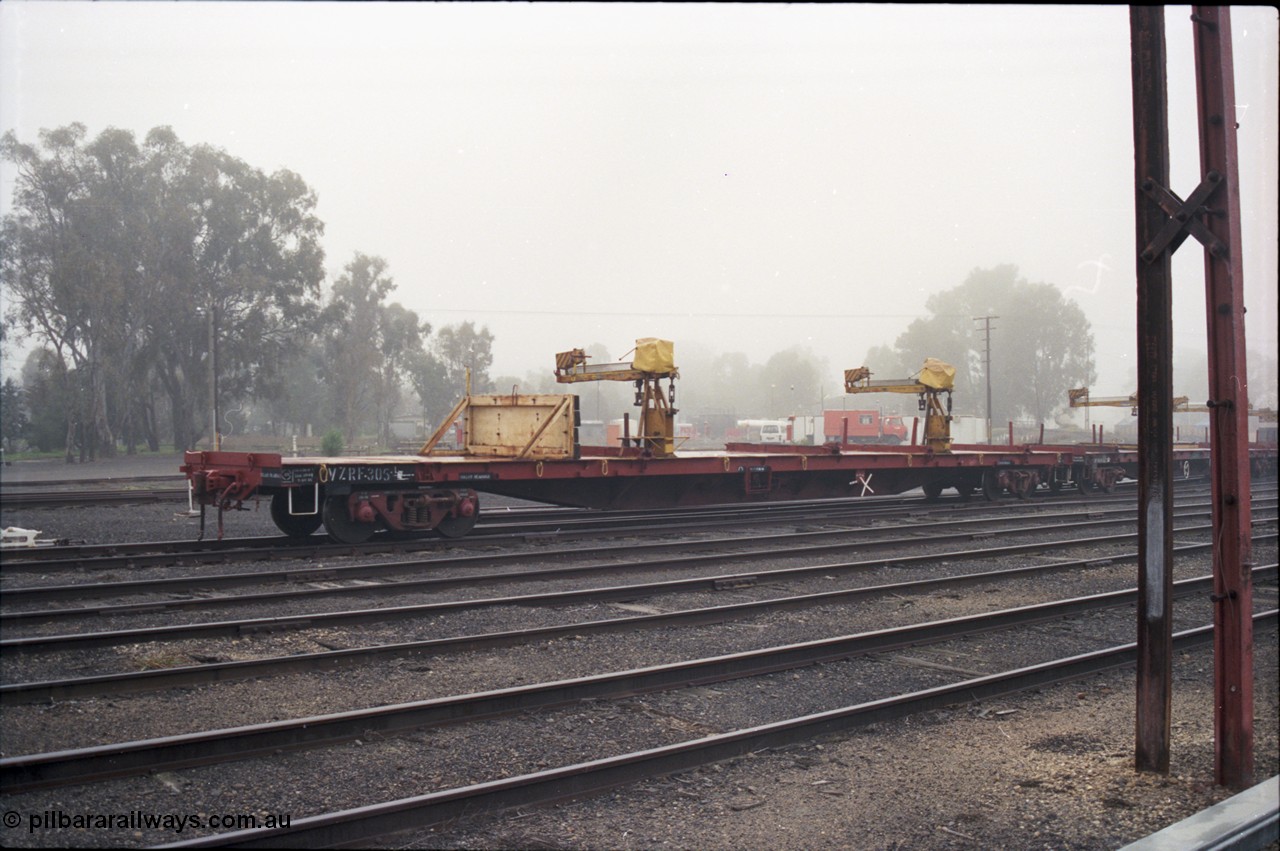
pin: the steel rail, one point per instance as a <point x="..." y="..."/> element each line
<point x="491" y="525"/>
<point x="32" y="595"/>
<point x="81" y="765"/>
<point x="551" y="522"/>
<point x="208" y="629"/>
<point x="37" y="484"/>
<point x="150" y="680"/>
<point x="62" y="499"/>
<point x="361" y="824"/>
<point x="80" y="558"/>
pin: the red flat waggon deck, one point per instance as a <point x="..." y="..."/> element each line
<point x="354" y="496"/>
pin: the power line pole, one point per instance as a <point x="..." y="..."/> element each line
<point x="986" y="365"/>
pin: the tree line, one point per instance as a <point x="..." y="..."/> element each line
<point x="1041" y="345"/>
<point x="163" y="280"/>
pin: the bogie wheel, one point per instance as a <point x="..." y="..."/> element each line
<point x="991" y="485"/>
<point x="932" y="490"/>
<point x="1084" y="486"/>
<point x="455" y="526"/>
<point x="341" y="527"/>
<point x="293" y="525"/>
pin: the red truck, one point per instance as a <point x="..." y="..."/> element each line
<point x="863" y="427"/>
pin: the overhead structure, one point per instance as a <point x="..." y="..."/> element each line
<point x="654" y="361"/>
<point x="933" y="379"/>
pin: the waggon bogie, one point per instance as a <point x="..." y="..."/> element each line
<point x="1098" y="475"/>
<point x="353" y="517"/>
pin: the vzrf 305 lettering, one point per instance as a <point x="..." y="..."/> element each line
<point x="363" y="475"/>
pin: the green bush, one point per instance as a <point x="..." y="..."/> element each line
<point x="331" y="443"/>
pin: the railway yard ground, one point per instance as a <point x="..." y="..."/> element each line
<point x="1050" y="766"/>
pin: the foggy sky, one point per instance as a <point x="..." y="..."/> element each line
<point x="749" y="177"/>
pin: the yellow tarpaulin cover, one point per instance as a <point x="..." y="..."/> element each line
<point x="654" y="355"/>
<point x="938" y="375"/>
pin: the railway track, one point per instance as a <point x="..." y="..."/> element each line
<point x="374" y="579"/>
<point x="94" y="763"/>
<point x="735" y="551"/>
<point x="830" y="529"/>
<point x="123" y="490"/>
<point x="538" y="525"/>
<point x="905" y="630"/>
<point x="361" y="824"/>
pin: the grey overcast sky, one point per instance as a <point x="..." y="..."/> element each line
<point x="746" y="177"/>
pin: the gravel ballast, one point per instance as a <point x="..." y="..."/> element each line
<point x="1050" y="769"/>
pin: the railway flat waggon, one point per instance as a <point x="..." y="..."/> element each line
<point x="527" y="446"/>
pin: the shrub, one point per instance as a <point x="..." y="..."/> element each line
<point x="331" y="443"/>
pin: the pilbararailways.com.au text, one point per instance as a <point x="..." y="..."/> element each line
<point x="140" y="820"/>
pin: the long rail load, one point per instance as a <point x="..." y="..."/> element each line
<point x="527" y="446"/>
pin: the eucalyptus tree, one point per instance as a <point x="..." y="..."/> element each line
<point x="239" y="266"/>
<point x="1041" y="347"/>
<point x="43" y="390"/>
<point x="13" y="413"/>
<point x="369" y="344"/>
<point x="464" y="351"/>
<point x="64" y="261"/>
<point x="143" y="264"/>
<point x="791" y="383"/>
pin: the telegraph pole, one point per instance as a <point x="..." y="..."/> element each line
<point x="986" y="364"/>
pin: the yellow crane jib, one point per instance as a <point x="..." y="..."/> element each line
<point x="934" y="379"/>
<point x="654" y="360"/>
<point x="1080" y="398"/>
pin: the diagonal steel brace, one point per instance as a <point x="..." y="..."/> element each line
<point x="1182" y="218"/>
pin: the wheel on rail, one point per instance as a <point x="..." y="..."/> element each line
<point x="293" y="525"/>
<point x="341" y="527"/>
<point x="991" y="489"/>
<point x="456" y="527"/>
<point x="462" y="521"/>
<point x="932" y="490"/>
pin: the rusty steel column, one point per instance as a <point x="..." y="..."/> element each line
<point x="1155" y="394"/>
<point x="1229" y="425"/>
